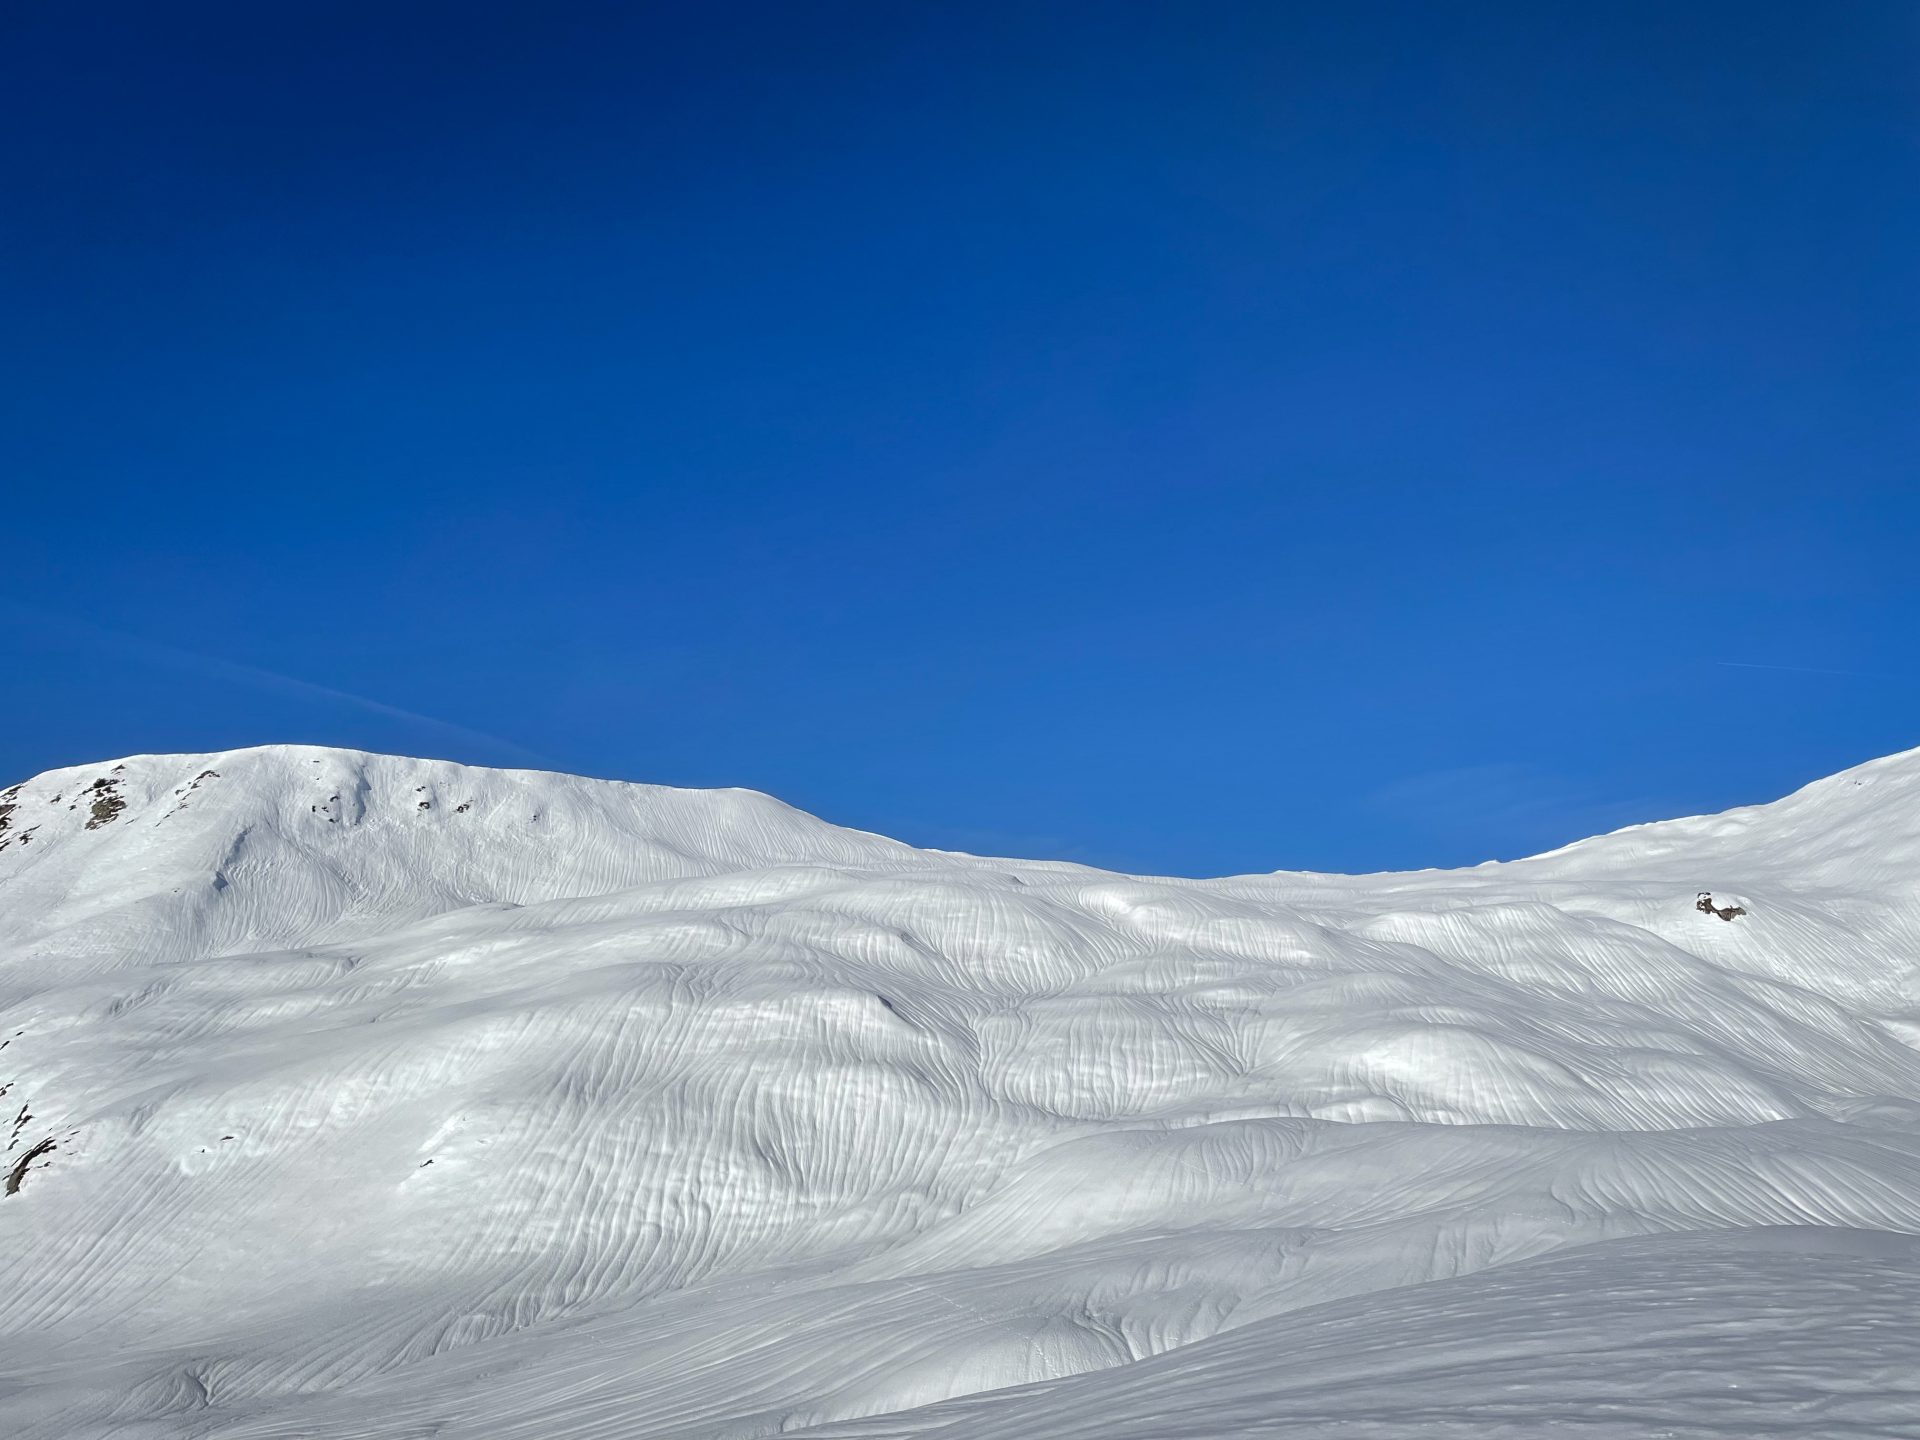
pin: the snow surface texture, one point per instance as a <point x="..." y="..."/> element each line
<point x="374" y="1097"/>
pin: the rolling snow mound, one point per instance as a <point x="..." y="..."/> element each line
<point x="360" y="1096"/>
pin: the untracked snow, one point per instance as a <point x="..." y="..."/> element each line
<point x="357" y="1096"/>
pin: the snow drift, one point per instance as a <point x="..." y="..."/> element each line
<point x="371" y="1097"/>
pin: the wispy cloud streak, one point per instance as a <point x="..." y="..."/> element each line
<point x="33" y="617"/>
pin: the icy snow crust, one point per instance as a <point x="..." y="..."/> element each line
<point x="394" y="1098"/>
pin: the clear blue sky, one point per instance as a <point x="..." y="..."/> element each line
<point x="1192" y="438"/>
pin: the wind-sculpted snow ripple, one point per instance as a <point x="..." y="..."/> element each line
<point x="387" y="1097"/>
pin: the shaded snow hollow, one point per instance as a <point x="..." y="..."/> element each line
<point x="373" y="1097"/>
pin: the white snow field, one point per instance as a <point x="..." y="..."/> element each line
<point x="373" y="1097"/>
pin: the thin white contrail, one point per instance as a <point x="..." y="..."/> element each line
<point x="32" y="616"/>
<point x="1799" y="669"/>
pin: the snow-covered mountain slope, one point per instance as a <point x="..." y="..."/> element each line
<point x="372" y="1097"/>
<point x="172" y="857"/>
<point x="1824" y="1320"/>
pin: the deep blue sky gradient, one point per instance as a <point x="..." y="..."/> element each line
<point x="1192" y="438"/>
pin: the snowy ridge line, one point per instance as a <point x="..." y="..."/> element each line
<point x="393" y="1097"/>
